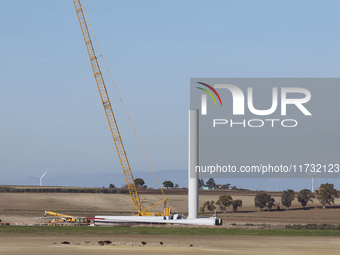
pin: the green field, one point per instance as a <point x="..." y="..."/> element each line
<point x="48" y="230"/>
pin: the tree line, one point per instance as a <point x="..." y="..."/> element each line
<point x="223" y="202"/>
<point x="140" y="183"/>
<point x="326" y="194"/>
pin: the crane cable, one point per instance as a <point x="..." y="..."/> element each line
<point x="107" y="69"/>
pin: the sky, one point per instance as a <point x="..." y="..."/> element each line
<point x="50" y="110"/>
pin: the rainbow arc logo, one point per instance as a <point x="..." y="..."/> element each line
<point x="204" y="97"/>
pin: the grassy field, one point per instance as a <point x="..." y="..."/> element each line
<point x="46" y="230"/>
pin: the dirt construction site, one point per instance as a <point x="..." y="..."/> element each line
<point x="26" y="208"/>
<point x="23" y="207"/>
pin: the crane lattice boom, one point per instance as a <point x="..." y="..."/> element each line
<point x="107" y="107"/>
<point x="109" y="114"/>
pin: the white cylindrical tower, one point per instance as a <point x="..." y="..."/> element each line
<point x="193" y="162"/>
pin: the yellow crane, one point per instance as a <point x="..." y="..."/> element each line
<point x="141" y="210"/>
<point x="66" y="218"/>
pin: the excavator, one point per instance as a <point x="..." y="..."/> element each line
<point x="141" y="209"/>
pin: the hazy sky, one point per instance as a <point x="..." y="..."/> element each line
<point x="51" y="113"/>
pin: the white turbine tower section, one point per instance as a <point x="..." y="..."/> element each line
<point x="193" y="162"/>
<point x="40" y="177"/>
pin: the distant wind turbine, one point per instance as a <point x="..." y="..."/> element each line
<point x="312" y="179"/>
<point x="40" y="177"/>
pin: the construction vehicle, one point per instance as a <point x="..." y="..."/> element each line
<point x="63" y="218"/>
<point x="141" y="210"/>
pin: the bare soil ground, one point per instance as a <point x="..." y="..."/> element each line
<point x="131" y="244"/>
<point x="20" y="207"/>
